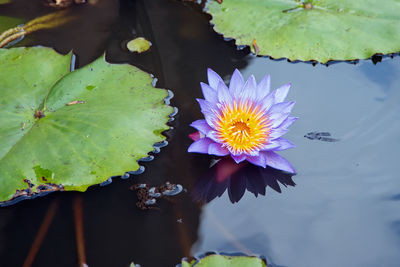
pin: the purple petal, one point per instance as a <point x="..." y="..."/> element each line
<point x="257" y="160"/>
<point x="268" y="100"/>
<point x="213" y="136"/>
<point x="277" y="119"/>
<point x="236" y="83"/>
<point x="213" y="78"/>
<point x="209" y="111"/>
<point x="217" y="150"/>
<point x="281" y="93"/>
<point x="278" y="162"/>
<point x="239" y="158"/>
<point x="278" y="132"/>
<point x="282" y="107"/>
<point x="271" y="146"/>
<point x="283" y="144"/>
<point x="210" y="94"/>
<point x="287" y="122"/>
<point x="202" y="126"/>
<point x="263" y="87"/>
<point x="200" y="146"/>
<point x="249" y="91"/>
<point x="223" y="94"/>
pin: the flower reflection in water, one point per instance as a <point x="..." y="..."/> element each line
<point x="227" y="174"/>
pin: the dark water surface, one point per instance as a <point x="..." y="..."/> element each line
<point x="343" y="211"/>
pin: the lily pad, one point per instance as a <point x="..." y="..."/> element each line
<point x="225" y="261"/>
<point x="67" y="131"/>
<point x="320" y="30"/>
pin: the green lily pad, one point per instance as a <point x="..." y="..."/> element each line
<point x="225" y="261"/>
<point x="320" y="30"/>
<point x="67" y="131"/>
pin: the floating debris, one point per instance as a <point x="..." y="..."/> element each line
<point x="138" y="45"/>
<point x="63" y="3"/>
<point x="147" y="196"/>
<point x="134" y="265"/>
<point x="322" y="136"/>
<point x="172" y="189"/>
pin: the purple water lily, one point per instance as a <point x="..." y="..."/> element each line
<point x="245" y="120"/>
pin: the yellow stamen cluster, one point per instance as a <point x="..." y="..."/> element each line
<point x="243" y="127"/>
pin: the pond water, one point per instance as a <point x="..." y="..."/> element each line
<point x="343" y="211"/>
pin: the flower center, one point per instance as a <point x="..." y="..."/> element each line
<point x="243" y="127"/>
<point x="240" y="130"/>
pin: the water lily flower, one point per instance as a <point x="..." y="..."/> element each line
<point x="245" y="121"/>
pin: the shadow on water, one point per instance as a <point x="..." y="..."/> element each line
<point x="237" y="178"/>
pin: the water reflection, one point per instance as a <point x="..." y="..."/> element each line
<point x="237" y="178"/>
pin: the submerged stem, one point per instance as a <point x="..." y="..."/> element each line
<point x="80" y="240"/>
<point x="47" y="220"/>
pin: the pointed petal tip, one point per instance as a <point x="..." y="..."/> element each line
<point x="238" y="158"/>
<point x="191" y="149"/>
<point x="257" y="160"/>
<point x="202" y="126"/>
<point x="210" y="70"/>
<point x="236" y="83"/>
<point x="213" y="78"/>
<point x="223" y="93"/>
<point x="200" y="146"/>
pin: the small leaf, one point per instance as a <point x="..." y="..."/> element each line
<point x="138" y="45"/>
<point x="72" y="145"/>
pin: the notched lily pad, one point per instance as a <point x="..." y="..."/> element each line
<point x="224" y="260"/>
<point x="320" y="30"/>
<point x="67" y="131"/>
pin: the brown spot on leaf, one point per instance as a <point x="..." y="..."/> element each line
<point x="307" y="5"/>
<point x="75" y="102"/>
<point x="255" y="46"/>
<point x="29" y="183"/>
<point x="32" y="191"/>
<point x="38" y="114"/>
